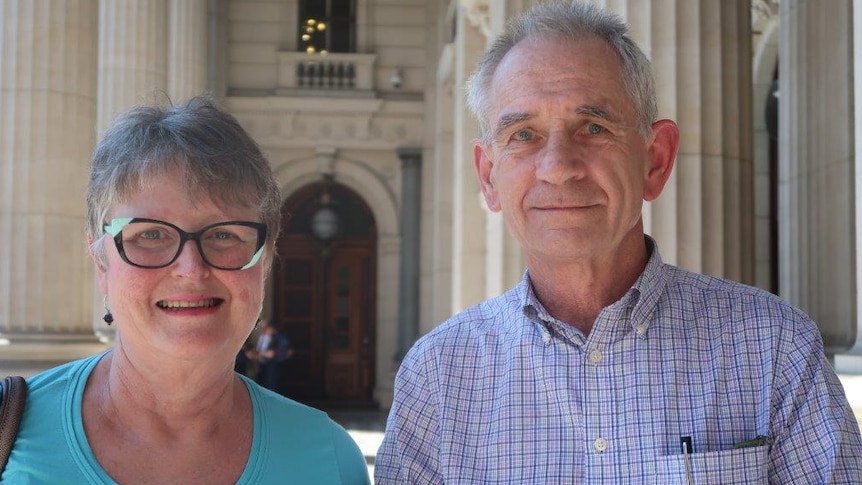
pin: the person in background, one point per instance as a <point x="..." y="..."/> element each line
<point x="604" y="365"/>
<point x="241" y="364"/>
<point x="182" y="216"/>
<point x="272" y="351"/>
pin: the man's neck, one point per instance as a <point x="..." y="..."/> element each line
<point x="576" y="292"/>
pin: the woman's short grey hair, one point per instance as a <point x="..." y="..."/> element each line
<point x="573" y="21"/>
<point x="213" y="154"/>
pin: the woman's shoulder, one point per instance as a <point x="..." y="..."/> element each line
<point x="306" y="437"/>
<point x="62" y="374"/>
<point x="280" y="413"/>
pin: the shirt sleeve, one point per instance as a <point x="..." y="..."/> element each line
<point x="410" y="450"/>
<point x="815" y="437"/>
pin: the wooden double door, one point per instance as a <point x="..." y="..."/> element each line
<point x="324" y="301"/>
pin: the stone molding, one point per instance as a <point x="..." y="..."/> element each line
<point x="367" y="124"/>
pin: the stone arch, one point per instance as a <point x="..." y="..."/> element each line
<point x="357" y="176"/>
<point x="381" y="199"/>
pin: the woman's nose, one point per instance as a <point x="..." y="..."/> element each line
<point x="190" y="262"/>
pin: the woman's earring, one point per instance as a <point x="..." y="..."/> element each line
<point x="108" y="318"/>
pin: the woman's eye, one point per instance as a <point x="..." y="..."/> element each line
<point x="523" y="135"/>
<point x="152" y="234"/>
<point x="223" y="236"/>
<point x="594" y="129"/>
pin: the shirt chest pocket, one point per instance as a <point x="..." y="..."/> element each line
<point x="742" y="466"/>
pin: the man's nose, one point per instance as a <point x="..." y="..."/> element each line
<point x="560" y="160"/>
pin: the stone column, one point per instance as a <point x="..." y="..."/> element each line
<point x="48" y="95"/>
<point x="187" y="49"/>
<point x="132" y="55"/>
<point x="441" y="188"/>
<point x="701" y="54"/>
<point x="468" y="217"/>
<point x="408" y="274"/>
<point x="857" y="180"/>
<point x="817" y="250"/>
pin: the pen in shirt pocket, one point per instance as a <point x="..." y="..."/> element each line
<point x="687" y="449"/>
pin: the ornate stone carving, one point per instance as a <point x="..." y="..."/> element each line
<point x="478" y="14"/>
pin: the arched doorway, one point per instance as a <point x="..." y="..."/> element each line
<point x="323" y="299"/>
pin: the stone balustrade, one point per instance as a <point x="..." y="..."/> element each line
<point x="339" y="74"/>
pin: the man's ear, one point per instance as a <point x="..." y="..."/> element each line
<point x="484" y="167"/>
<point x="661" y="156"/>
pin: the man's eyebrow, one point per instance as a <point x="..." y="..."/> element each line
<point x="508" y="120"/>
<point x="596" y="112"/>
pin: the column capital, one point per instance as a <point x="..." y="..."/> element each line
<point x="409" y="154"/>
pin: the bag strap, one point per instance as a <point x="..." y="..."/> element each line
<point x="11" y="409"/>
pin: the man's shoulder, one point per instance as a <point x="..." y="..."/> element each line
<point x="490" y="316"/>
<point x="698" y="282"/>
<point x="707" y="291"/>
<point x="499" y="319"/>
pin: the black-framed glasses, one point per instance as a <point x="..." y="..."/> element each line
<point x="150" y="243"/>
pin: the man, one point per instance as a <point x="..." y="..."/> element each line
<point x="605" y="365"/>
<point x="273" y="349"/>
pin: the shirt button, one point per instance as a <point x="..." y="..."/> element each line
<point x="595" y="357"/>
<point x="601" y="445"/>
<point x="640" y="329"/>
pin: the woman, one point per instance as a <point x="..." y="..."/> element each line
<point x="183" y="213"/>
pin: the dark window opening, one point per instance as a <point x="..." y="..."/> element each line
<point x="327" y="26"/>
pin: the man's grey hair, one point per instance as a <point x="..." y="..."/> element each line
<point x="208" y="149"/>
<point x="573" y="21"/>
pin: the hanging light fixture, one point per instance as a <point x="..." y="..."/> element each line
<point x="324" y="222"/>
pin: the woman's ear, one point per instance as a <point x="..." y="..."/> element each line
<point x="662" y="154"/>
<point x="97" y="254"/>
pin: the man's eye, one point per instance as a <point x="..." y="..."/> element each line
<point x="594" y="129"/>
<point x="523" y="135"/>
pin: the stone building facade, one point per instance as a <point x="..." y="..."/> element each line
<point x="359" y="106"/>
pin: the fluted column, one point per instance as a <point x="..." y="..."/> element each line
<point x="187" y="49"/>
<point x="468" y="218"/>
<point x="408" y="273"/>
<point x="132" y="55"/>
<point x="701" y="54"/>
<point x="48" y="99"/>
<point x="441" y="190"/>
<point x="816" y="166"/>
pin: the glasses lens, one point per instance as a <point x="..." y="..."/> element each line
<point x="230" y="246"/>
<point x="149" y="243"/>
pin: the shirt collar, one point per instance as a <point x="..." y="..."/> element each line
<point x="644" y="294"/>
